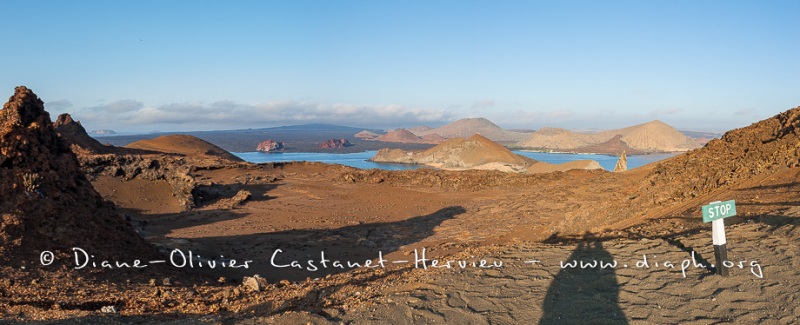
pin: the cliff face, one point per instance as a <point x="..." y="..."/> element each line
<point x="46" y="202"/>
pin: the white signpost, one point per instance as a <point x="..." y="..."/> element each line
<point x="715" y="213"/>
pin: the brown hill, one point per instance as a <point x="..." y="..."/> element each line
<point x="46" y="202"/>
<point x="558" y="139"/>
<point x="184" y="145"/>
<point x="740" y="155"/>
<point x="420" y="130"/>
<point x="654" y="136"/>
<point x="466" y="127"/>
<point x="406" y="136"/>
<point x="650" y="137"/>
<point x="472" y="152"/>
<point x="475" y="152"/>
<point x="366" y="135"/>
<point x="400" y="135"/>
<point x="433" y="138"/>
<point x="613" y="146"/>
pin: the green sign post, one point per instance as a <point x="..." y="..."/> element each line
<point x="719" y="210"/>
<point x="715" y="213"/>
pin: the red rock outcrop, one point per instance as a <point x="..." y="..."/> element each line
<point x="335" y="144"/>
<point x="46" y="202"/>
<point x="269" y="146"/>
<point x="73" y="132"/>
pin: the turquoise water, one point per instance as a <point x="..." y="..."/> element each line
<point x="608" y="162"/>
<point x="359" y="159"/>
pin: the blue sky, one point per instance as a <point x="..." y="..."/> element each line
<point x="201" y="65"/>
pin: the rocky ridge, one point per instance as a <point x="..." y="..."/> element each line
<point x="47" y="204"/>
<point x="742" y="154"/>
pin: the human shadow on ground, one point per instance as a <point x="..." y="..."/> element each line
<point x="584" y="293"/>
<point x="356" y="243"/>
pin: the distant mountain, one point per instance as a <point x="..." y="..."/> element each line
<point x="367" y="135"/>
<point x="103" y="132"/>
<point x="476" y="152"/>
<point x="467" y="127"/>
<point x="405" y="136"/>
<point x="651" y="137"/>
<point x="314" y="128"/>
<point x="420" y="130"/>
<point x="702" y="137"/>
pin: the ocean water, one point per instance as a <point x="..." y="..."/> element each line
<point x="359" y="159"/>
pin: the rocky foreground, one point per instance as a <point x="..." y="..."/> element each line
<point x="159" y="205"/>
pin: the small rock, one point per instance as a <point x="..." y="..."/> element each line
<point x="255" y="283"/>
<point x="332" y="312"/>
<point x="167" y="282"/>
<point x="222" y="280"/>
<point x="152" y="282"/>
<point x="285" y="283"/>
<point x="108" y="310"/>
<point x="240" y="197"/>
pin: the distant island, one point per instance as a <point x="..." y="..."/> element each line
<point x="651" y="137"/>
<point x="103" y="132"/>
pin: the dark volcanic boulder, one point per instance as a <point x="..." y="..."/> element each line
<point x="335" y="144"/>
<point x="269" y="146"/>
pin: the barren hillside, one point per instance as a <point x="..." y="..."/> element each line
<point x="654" y="136"/>
<point x="465" y="128"/>
<point x="184" y="145"/>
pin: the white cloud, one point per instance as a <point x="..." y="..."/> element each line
<point x="665" y="112"/>
<point x="226" y="113"/>
<point x="482" y="104"/>
<point x="58" y="105"/>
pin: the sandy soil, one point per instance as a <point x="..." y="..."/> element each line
<point x="333" y="244"/>
<point x="304" y="209"/>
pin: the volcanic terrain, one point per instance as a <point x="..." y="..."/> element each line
<point x="150" y="205"/>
